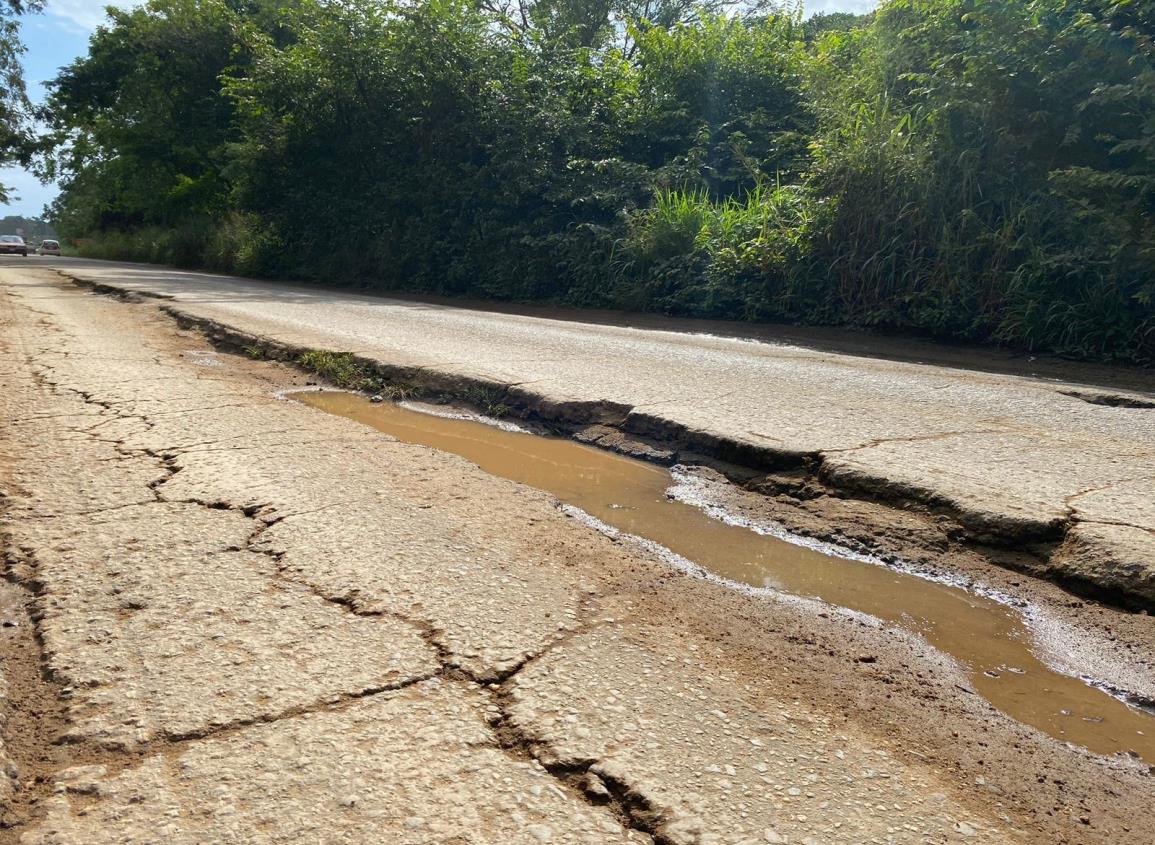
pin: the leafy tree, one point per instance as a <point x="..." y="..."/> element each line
<point x="824" y="22"/>
<point x="33" y="227"/>
<point x="140" y="130"/>
<point x="977" y="169"/>
<point x="17" y="142"/>
<point x="721" y="102"/>
<point x="446" y="155"/>
<point x="610" y="23"/>
<point x="968" y="154"/>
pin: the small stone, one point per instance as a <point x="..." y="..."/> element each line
<point x="83" y="780"/>
<point x="595" y="787"/>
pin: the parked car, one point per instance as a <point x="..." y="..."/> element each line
<point x="49" y="248"/>
<point x="13" y="245"/>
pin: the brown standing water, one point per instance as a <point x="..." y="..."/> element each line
<point x="630" y="495"/>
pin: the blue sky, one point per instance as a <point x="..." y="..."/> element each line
<point x="61" y="34"/>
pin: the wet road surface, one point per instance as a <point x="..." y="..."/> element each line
<point x="635" y="497"/>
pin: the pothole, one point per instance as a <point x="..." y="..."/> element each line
<point x="633" y="498"/>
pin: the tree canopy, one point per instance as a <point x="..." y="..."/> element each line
<point x="17" y="140"/>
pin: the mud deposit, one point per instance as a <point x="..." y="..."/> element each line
<point x="989" y="638"/>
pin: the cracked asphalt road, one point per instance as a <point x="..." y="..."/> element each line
<point x="1012" y="457"/>
<point x="263" y="624"/>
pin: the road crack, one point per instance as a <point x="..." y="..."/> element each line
<point x="627" y="805"/>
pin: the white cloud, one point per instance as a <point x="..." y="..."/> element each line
<point x="857" y="6"/>
<point x="85" y="15"/>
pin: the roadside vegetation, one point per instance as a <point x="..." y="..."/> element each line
<point x="981" y="170"/>
<point x="18" y="143"/>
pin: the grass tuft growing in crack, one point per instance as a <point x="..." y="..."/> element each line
<point x="488" y="400"/>
<point x="343" y="370"/>
<point x="394" y="392"/>
<point x="338" y="368"/>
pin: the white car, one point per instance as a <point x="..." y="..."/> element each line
<point x="49" y="248"/>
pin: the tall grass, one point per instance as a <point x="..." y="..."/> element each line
<point x="733" y="257"/>
<point x="233" y="245"/>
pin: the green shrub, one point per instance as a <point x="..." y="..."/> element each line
<point x="981" y="171"/>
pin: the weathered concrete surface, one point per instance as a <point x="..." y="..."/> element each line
<point x="416" y="766"/>
<point x="487" y="609"/>
<point x="228" y="588"/>
<point x="165" y="619"/>
<point x="632" y="705"/>
<point x="166" y="626"/>
<point x="1006" y="454"/>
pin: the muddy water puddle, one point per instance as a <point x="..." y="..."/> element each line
<point x="631" y="496"/>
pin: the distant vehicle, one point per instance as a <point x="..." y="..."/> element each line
<point x="13" y="245"/>
<point x="49" y="248"/>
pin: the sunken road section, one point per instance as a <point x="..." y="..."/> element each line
<point x="1061" y="471"/>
